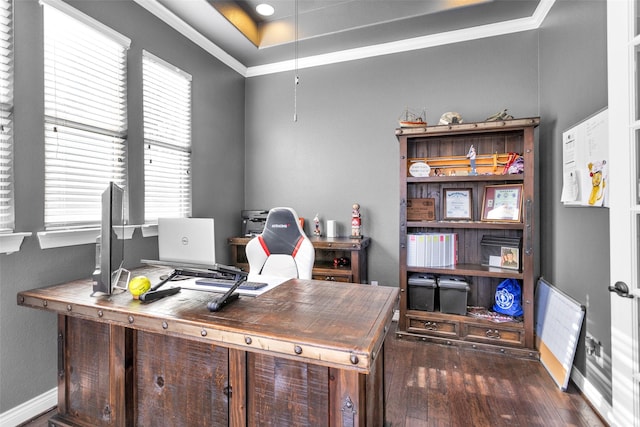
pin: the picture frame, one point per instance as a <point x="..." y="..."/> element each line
<point x="457" y="204"/>
<point x="502" y="203"/>
<point x="510" y="258"/>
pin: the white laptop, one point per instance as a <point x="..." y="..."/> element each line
<point x="186" y="242"/>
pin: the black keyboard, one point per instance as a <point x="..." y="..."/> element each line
<point x="227" y="283"/>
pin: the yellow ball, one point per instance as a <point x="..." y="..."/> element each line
<point x="139" y="285"/>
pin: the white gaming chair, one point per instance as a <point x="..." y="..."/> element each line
<point x="282" y="250"/>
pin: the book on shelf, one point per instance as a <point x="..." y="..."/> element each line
<point x="432" y="249"/>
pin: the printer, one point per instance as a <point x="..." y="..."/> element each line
<point x="253" y="222"/>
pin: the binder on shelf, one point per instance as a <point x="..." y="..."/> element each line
<point x="432" y="249"/>
<point x="412" y="250"/>
<point x="423" y="252"/>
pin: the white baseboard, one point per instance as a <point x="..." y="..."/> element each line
<point x="596" y="400"/>
<point x="29" y="409"/>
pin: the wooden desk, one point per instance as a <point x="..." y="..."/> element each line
<point x="307" y="353"/>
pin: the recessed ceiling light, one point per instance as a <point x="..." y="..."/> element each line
<point x="265" y="9"/>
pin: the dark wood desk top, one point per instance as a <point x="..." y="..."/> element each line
<point x="325" y="323"/>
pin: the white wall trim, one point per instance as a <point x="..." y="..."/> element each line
<point x="63" y="238"/>
<point x="189" y="32"/>
<point x="11" y="242"/>
<point x="591" y="393"/>
<point x="466" y="34"/>
<point x="80" y="236"/>
<point x="30" y="408"/>
<point x="149" y="230"/>
<point x="407" y="45"/>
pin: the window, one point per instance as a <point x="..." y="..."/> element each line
<point x="85" y="115"/>
<point x="7" y="218"/>
<point x="167" y="139"/>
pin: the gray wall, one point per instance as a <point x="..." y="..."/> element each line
<point x="575" y="249"/>
<point x="343" y="148"/>
<point x="28" y="348"/>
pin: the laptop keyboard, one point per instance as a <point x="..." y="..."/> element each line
<point x="227" y="283"/>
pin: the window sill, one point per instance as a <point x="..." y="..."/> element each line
<point x="11" y="242"/>
<point x="149" y="230"/>
<point x="62" y="238"/>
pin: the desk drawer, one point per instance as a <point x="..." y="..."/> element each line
<point x="332" y="277"/>
<point x="494" y="334"/>
<point x="435" y="327"/>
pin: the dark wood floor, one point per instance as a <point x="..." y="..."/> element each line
<point x="433" y="385"/>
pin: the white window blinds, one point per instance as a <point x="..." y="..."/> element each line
<point x="167" y="138"/>
<point x="7" y="218"/>
<point x="85" y="115"/>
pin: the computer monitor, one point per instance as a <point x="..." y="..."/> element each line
<point x="110" y="247"/>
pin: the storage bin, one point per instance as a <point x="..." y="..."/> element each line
<point x="453" y="294"/>
<point x="422" y="290"/>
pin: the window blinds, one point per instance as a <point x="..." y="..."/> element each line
<point x="167" y="137"/>
<point x="85" y="115"/>
<point x="7" y="218"/>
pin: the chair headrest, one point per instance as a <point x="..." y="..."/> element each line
<point x="282" y="232"/>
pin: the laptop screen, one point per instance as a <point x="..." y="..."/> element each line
<point x="187" y="240"/>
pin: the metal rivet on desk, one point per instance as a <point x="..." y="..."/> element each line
<point x="100" y="313"/>
<point x="165" y="325"/>
<point x="247" y="340"/>
<point x="354" y="359"/>
<point x="297" y="349"/>
<point x="130" y="319"/>
<point x="44" y="302"/>
<point x="203" y="333"/>
<point x="69" y="308"/>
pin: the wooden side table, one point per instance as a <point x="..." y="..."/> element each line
<point x="327" y="250"/>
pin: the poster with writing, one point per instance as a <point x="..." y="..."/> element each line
<point x="585" y="154"/>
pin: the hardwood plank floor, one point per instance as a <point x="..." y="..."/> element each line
<point x="429" y="385"/>
<point x="436" y="385"/>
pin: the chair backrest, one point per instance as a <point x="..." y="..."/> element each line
<point x="282" y="250"/>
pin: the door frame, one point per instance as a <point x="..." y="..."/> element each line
<point x="624" y="212"/>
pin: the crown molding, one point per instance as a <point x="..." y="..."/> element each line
<point x="441" y="39"/>
<point x="186" y="30"/>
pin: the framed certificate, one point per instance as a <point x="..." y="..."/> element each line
<point x="502" y="203"/>
<point x="457" y="204"/>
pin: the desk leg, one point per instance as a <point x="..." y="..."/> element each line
<point x="359" y="266"/>
<point x="357" y="399"/>
<point x="347" y="398"/>
<point x="62" y="359"/>
<point x="237" y="388"/>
